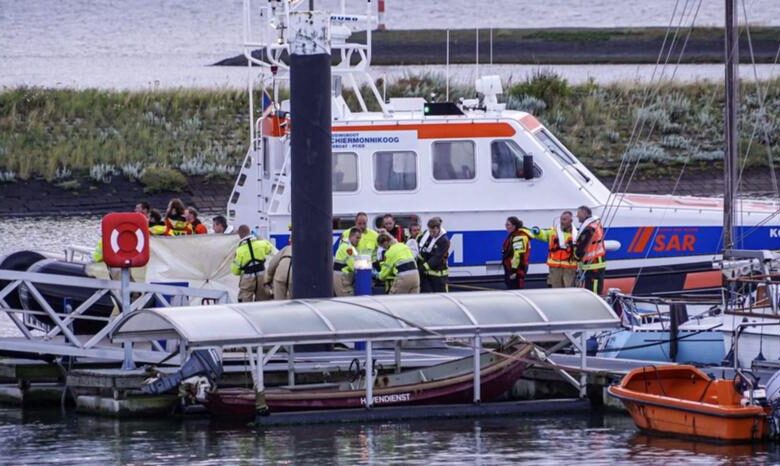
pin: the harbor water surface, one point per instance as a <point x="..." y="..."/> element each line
<point x="65" y="438"/>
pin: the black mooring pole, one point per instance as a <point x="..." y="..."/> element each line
<point x="310" y="160"/>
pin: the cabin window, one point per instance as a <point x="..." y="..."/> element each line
<point x="402" y="220"/>
<point x="555" y="147"/>
<point x="506" y="160"/>
<point x="345" y="172"/>
<point x="453" y="160"/>
<point x="343" y="223"/>
<point x="395" y="171"/>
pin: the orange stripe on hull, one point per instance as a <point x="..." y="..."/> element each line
<point x="530" y="123"/>
<point x="441" y="131"/>
<point x="640" y="246"/>
<point x="624" y="284"/>
<point x="708" y="279"/>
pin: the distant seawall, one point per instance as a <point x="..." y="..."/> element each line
<point x="557" y="46"/>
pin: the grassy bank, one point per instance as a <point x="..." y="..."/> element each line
<point x="67" y="137"/>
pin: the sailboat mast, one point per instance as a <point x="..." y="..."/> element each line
<point x="731" y="120"/>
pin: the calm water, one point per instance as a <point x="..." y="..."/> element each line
<point x="148" y="43"/>
<point x="47" y="438"/>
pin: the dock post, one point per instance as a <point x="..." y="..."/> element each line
<point x="369" y="367"/>
<point x="583" y="365"/>
<point x="261" y="407"/>
<point x="477" y="368"/>
<point x="311" y="155"/>
<point x="291" y="365"/>
<point x="127" y="363"/>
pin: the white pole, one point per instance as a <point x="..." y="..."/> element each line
<point x="447" y="67"/>
<point x="583" y="366"/>
<point x="369" y="367"/>
<point x="477" y="368"/>
<point x="291" y="365"/>
<point x="128" y="363"/>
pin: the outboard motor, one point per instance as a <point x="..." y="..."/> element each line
<point x="202" y="362"/>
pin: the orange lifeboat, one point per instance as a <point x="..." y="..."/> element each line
<point x="683" y="400"/>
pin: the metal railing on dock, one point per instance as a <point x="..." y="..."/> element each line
<point x="47" y="327"/>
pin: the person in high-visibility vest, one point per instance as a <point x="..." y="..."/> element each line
<point x="344" y="264"/>
<point x="175" y="223"/>
<point x="196" y="226"/>
<point x="590" y="252"/>
<point x="398" y="266"/>
<point x="156" y="224"/>
<point x="515" y="253"/>
<point x="249" y="264"/>
<point x="367" y="245"/>
<point x="434" y="253"/>
<point x="560" y="246"/>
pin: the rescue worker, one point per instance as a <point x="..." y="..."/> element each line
<point x="143" y="207"/>
<point x="249" y="264"/>
<point x="278" y="275"/>
<point x="415" y="232"/>
<point x="560" y="255"/>
<point x="344" y="264"/>
<point x="515" y="253"/>
<point x="398" y="266"/>
<point x="368" y="237"/>
<point x="434" y="252"/>
<point x="221" y="226"/>
<point x="175" y="223"/>
<point x="590" y="252"/>
<point x="156" y="224"/>
<point x="196" y="226"/>
<point x="393" y="229"/>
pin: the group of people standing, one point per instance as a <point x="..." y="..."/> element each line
<point x="178" y="220"/>
<point x="405" y="260"/>
<point x="576" y="257"/>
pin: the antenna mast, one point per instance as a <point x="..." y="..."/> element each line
<point x="731" y="121"/>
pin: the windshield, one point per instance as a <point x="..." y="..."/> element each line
<point x="555" y="147"/>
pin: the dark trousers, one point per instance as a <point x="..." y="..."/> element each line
<point x="594" y="280"/>
<point x="517" y="283"/>
<point x="431" y="284"/>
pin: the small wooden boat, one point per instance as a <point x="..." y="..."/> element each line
<point x="447" y="383"/>
<point x="682" y="400"/>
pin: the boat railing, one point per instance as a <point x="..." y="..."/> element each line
<point x="48" y="325"/>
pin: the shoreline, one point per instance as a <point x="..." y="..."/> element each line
<point x="549" y="46"/>
<point x="37" y="198"/>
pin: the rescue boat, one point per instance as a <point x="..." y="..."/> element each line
<point x="447" y="383"/>
<point x="683" y="400"/>
<point x="473" y="163"/>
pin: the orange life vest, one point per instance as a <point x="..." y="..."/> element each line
<point x="595" y="251"/>
<point x="561" y="257"/>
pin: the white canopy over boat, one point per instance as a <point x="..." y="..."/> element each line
<point x="374" y="318"/>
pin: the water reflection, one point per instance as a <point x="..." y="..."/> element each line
<point x="36" y="437"/>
